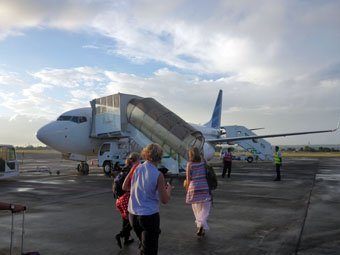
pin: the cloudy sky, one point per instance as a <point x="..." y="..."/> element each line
<point x="277" y="62"/>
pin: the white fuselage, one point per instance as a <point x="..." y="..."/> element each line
<point x="70" y="133"/>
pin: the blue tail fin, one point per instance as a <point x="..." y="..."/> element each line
<point x="215" y="121"/>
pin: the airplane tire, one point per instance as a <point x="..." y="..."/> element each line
<point x="107" y="168"/>
<point x="83" y="169"/>
<point x="250" y="159"/>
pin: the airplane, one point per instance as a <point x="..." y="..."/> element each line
<point x="70" y="134"/>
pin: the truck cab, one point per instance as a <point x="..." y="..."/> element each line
<point x="112" y="155"/>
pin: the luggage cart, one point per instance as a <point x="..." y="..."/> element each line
<point x="15" y="208"/>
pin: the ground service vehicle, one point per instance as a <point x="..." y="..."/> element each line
<point x="9" y="165"/>
<point x="250" y="158"/>
<point x="112" y="155"/>
<point x="239" y="155"/>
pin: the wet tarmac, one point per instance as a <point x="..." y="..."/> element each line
<point x="73" y="214"/>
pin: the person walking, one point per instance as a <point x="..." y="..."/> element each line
<point x="227" y="162"/>
<point x="198" y="194"/>
<point x="147" y="188"/>
<point x="122" y="202"/>
<point x="278" y="163"/>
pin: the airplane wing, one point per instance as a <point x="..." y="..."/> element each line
<point x="240" y="138"/>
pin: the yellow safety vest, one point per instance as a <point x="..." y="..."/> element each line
<point x="277" y="159"/>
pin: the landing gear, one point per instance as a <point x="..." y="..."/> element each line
<point x="83" y="168"/>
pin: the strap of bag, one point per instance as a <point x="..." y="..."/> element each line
<point x="206" y="174"/>
<point x="132" y="172"/>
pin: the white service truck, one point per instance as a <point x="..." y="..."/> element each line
<point x="112" y="155"/>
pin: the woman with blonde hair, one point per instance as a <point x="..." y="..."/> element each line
<point x="147" y="188"/>
<point x="198" y="194"/>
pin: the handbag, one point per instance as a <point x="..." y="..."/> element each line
<point x="211" y="177"/>
<point x="122" y="205"/>
<point x="122" y="202"/>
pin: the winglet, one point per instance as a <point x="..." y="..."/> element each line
<point x="333" y="130"/>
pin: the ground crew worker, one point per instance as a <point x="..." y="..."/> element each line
<point x="278" y="163"/>
<point x="227" y="159"/>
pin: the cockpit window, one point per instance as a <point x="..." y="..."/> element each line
<point x="76" y="119"/>
<point x="82" y="119"/>
<point x="63" y="118"/>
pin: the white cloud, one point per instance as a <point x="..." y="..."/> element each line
<point x="11" y="79"/>
<point x="85" y="95"/>
<point x="90" y="47"/>
<point x="262" y="42"/>
<point x="257" y="42"/>
<point x="71" y="78"/>
<point x="35" y="90"/>
<point x="16" y="15"/>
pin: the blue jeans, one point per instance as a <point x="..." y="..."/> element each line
<point x="147" y="230"/>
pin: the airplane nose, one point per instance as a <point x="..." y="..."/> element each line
<point x="42" y="134"/>
<point x="53" y="134"/>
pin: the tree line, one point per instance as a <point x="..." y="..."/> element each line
<point x="311" y="149"/>
<point x="31" y="147"/>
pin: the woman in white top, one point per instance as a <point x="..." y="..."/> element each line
<point x="147" y="188"/>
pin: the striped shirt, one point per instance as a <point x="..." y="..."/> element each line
<point x="198" y="191"/>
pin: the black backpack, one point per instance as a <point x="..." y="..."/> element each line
<point x="117" y="186"/>
<point x="211" y="177"/>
